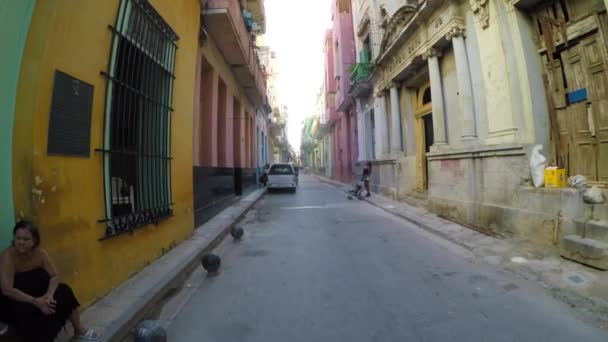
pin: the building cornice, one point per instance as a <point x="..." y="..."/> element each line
<point x="428" y="30"/>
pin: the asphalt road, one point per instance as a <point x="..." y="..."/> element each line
<point x="315" y="266"/>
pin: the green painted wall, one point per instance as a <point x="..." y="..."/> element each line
<point x="15" y="17"/>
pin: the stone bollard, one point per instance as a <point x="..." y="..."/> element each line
<point x="211" y="263"/>
<point x="150" y="331"/>
<point x="237" y="232"/>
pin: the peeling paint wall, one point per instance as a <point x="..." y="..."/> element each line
<point x="65" y="195"/>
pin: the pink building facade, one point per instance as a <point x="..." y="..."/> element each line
<point x="342" y="117"/>
<point x="231" y="108"/>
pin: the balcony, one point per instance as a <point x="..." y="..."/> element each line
<point x="224" y="22"/>
<point x="321" y="132"/>
<point x="256" y="7"/>
<point x="276" y="124"/>
<point x="360" y="83"/>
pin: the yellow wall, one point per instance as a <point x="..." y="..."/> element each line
<point x="64" y="195"/>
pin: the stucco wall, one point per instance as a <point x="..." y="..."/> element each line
<point x="343" y="34"/>
<point x="491" y="193"/>
<point x="65" y="195"/>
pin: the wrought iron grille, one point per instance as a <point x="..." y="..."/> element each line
<point x="137" y="139"/>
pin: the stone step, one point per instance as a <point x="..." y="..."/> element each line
<point x="593" y="229"/>
<point x="585" y="250"/>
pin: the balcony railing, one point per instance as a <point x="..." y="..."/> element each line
<point x="360" y="84"/>
<point x="361" y="72"/>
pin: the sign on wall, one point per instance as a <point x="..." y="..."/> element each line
<point x="70" y="118"/>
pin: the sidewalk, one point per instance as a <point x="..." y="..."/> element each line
<point x="122" y="309"/>
<point x="581" y="287"/>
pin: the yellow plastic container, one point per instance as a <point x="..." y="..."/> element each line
<point x="555" y="178"/>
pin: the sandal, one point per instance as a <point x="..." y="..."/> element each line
<point x="89" y="335"/>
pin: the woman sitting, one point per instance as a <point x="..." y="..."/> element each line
<point x="37" y="303"/>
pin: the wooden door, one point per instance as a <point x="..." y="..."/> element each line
<point x="424" y="140"/>
<point x="583" y="149"/>
<point x="595" y="57"/>
<point x="421" y="172"/>
<point x="557" y="92"/>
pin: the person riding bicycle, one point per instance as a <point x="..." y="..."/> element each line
<point x="365" y="180"/>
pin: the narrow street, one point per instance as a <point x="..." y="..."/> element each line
<point x="315" y="266"/>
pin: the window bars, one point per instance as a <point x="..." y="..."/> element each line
<point x="137" y="139"/>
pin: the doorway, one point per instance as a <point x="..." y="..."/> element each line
<point x="576" y="80"/>
<point x="423" y="134"/>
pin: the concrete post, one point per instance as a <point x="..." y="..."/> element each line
<point x="465" y="88"/>
<point x="432" y="56"/>
<point x="361" y="138"/>
<point x="396" y="134"/>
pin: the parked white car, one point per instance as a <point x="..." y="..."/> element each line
<point x="282" y="176"/>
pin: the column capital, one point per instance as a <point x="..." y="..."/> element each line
<point x="482" y="10"/>
<point x="394" y="84"/>
<point x="455" y="31"/>
<point x="381" y="93"/>
<point x="431" y="52"/>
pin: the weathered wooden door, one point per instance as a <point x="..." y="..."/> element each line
<point x="584" y="119"/>
<point x="557" y="92"/>
<point x="596" y="58"/>
<point x="582" y="150"/>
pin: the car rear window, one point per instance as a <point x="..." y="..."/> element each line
<point x="278" y="170"/>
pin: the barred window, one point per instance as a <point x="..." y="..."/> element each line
<point x="137" y="139"/>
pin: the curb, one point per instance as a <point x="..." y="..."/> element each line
<point x="175" y="265"/>
<point x="417" y="222"/>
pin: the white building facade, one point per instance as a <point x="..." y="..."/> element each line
<point x="461" y="90"/>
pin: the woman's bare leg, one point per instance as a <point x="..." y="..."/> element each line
<point x="75" y="319"/>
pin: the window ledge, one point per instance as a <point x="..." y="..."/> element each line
<point x="110" y="235"/>
<point x="383" y="161"/>
<point x="477" y="152"/>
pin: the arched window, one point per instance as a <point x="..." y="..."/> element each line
<point x="423" y="95"/>
<point x="426" y="97"/>
<point x="423" y="99"/>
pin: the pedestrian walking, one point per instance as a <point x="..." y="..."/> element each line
<point x="264" y="176"/>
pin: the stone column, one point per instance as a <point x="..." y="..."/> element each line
<point x="380" y="125"/>
<point x="432" y="56"/>
<point x="465" y="87"/>
<point x="396" y="135"/>
<point x="361" y="139"/>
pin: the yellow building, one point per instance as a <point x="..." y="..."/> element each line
<point x="102" y="147"/>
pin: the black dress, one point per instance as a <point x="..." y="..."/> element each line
<point x="31" y="324"/>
